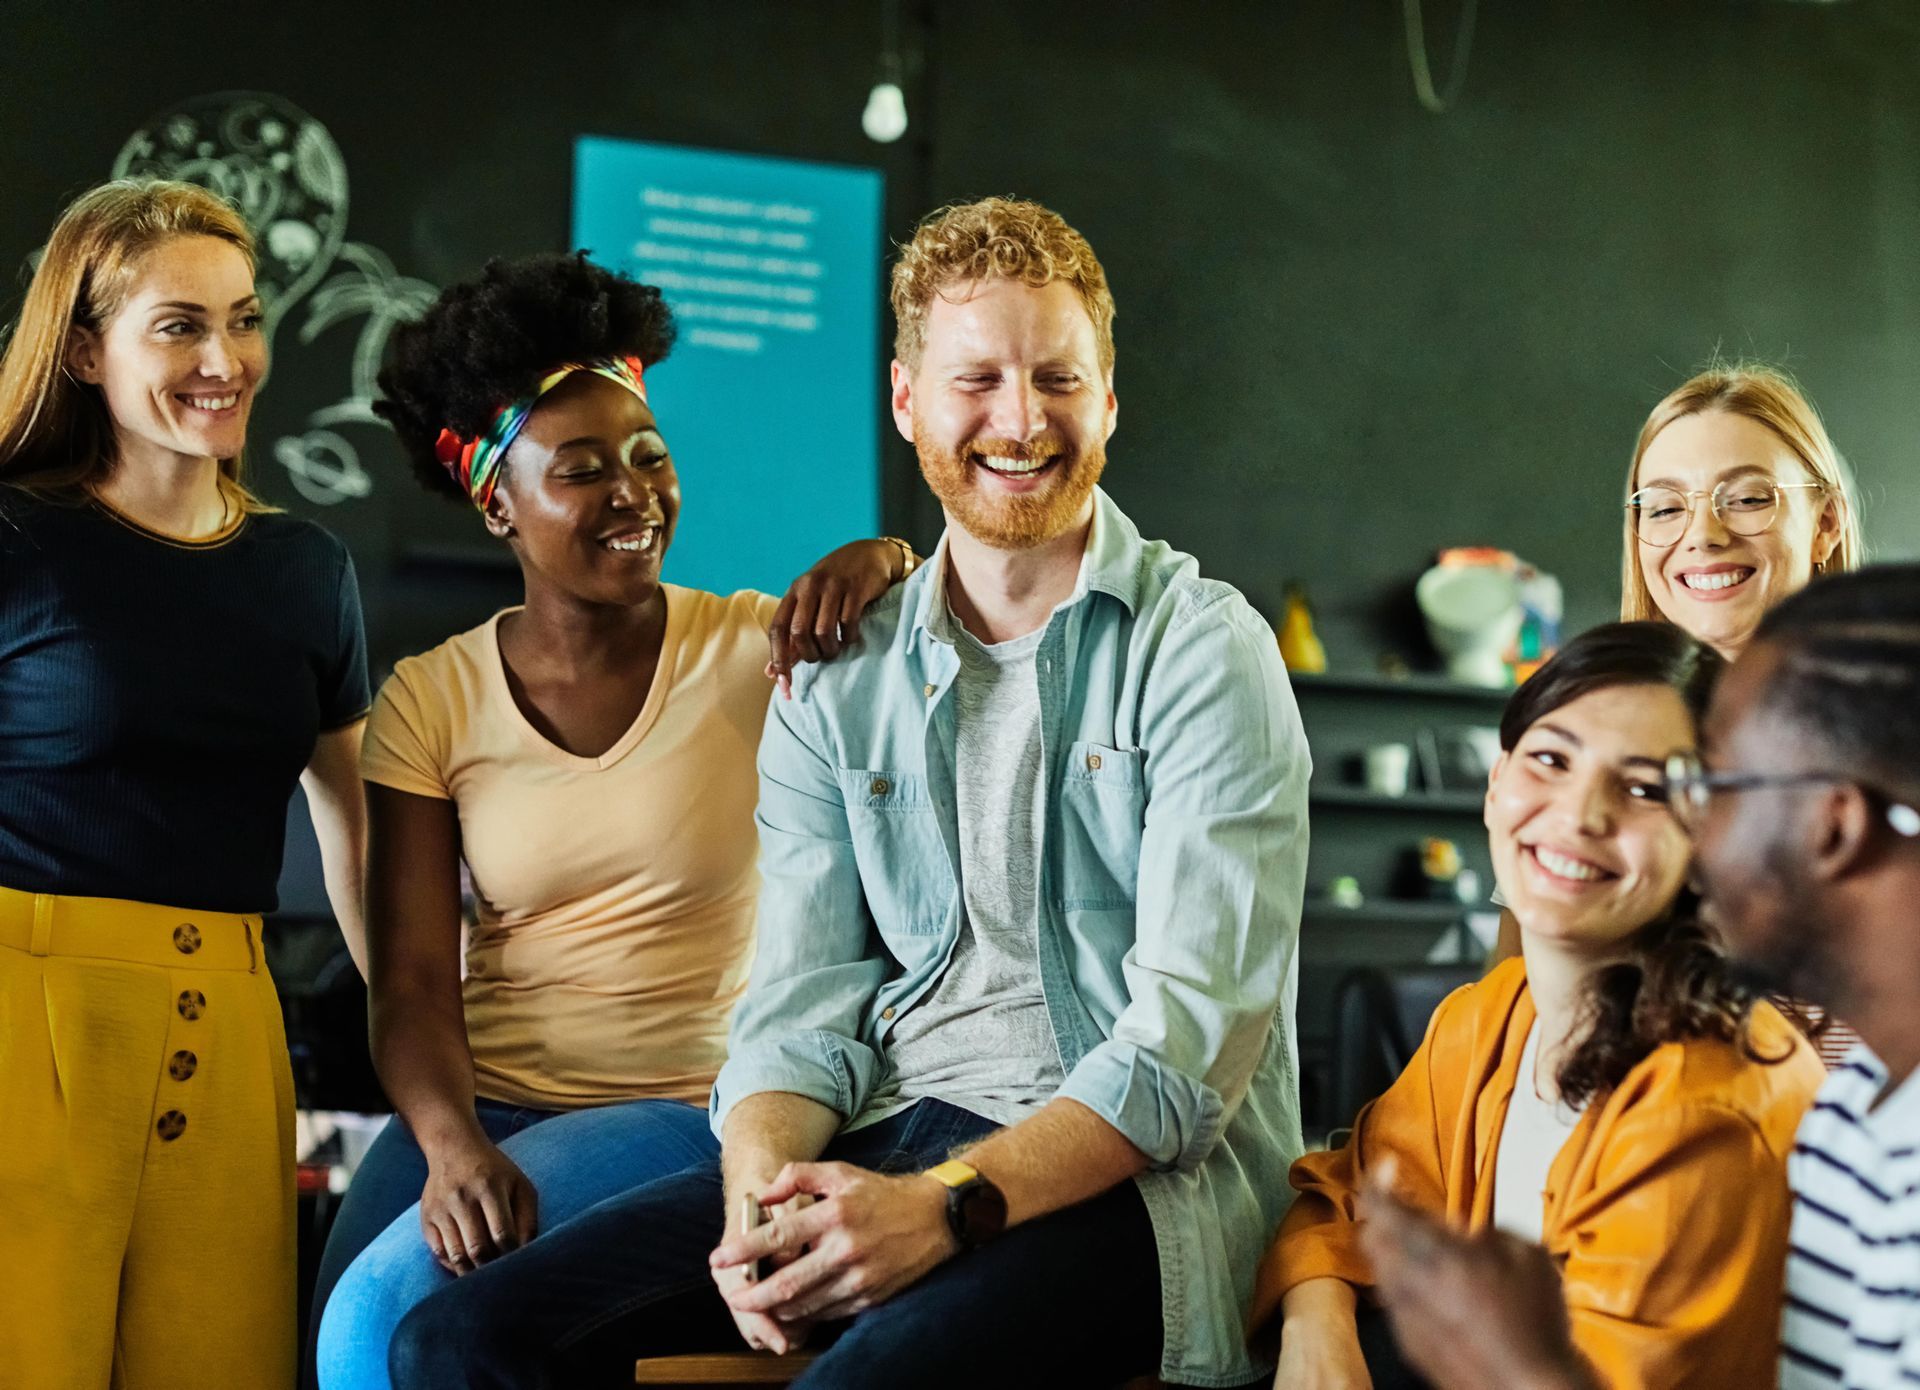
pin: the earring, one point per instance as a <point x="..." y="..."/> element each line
<point x="1818" y="569"/>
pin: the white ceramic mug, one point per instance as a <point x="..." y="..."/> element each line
<point x="1388" y="765"/>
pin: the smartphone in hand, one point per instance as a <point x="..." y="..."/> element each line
<point x="753" y="1216"/>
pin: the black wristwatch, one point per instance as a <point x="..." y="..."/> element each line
<point x="976" y="1209"/>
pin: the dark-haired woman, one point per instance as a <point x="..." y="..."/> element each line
<point x="1614" y="1093"/>
<point x="590" y="756"/>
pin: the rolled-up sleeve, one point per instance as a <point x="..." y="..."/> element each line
<point x="1223" y="859"/>
<point x="815" y="969"/>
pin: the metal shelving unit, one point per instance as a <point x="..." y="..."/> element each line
<point x="1429" y="687"/>
<point x="1413" y="803"/>
<point x="1413" y="912"/>
<point x="1375" y="838"/>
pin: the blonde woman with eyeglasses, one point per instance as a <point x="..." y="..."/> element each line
<point x="1736" y="498"/>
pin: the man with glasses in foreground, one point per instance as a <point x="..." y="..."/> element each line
<point x="1805" y="810"/>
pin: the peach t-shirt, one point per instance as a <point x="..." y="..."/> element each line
<point x="615" y="894"/>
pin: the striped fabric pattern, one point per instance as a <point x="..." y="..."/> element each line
<point x="1853" y="1266"/>
<point x="1836" y="1043"/>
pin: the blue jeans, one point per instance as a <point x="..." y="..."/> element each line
<point x="376" y="1266"/>
<point x="1070" y="1299"/>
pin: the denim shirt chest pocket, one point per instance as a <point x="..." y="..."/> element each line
<point x="904" y="867"/>
<point x="1103" y="804"/>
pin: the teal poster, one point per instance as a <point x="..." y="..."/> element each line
<point x="770" y="403"/>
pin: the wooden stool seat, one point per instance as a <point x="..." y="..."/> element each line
<point x="722" y="1368"/>
<point x="758" y="1368"/>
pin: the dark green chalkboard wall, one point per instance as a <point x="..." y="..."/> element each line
<point x="1350" y="330"/>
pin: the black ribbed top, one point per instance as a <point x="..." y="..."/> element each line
<point x="158" y="700"/>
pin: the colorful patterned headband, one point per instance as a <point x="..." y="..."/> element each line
<point x="475" y="463"/>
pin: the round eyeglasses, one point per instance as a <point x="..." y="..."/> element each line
<point x="1691" y="788"/>
<point x="1745" y="506"/>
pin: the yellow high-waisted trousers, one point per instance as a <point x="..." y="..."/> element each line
<point x="146" y="1158"/>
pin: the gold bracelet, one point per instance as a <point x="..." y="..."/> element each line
<point x="909" y="562"/>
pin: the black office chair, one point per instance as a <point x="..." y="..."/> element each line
<point x="1380" y="1016"/>
<point x="1380" y="1013"/>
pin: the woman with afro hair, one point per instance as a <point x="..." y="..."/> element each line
<point x="590" y="756"/>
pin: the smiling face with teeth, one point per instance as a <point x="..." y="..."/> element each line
<point x="1713" y="583"/>
<point x="1583" y="846"/>
<point x="1008" y="409"/>
<point x="588" y="497"/>
<point x="182" y="355"/>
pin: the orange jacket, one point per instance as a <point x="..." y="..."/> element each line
<point x="1667" y="1208"/>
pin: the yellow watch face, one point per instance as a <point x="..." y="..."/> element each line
<point x="953" y="1173"/>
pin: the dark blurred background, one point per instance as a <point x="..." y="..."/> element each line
<point x="1351" y="330"/>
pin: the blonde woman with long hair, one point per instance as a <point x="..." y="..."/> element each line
<point x="174" y="656"/>
<point x="1735" y="499"/>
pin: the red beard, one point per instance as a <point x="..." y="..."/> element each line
<point x="1013" y="520"/>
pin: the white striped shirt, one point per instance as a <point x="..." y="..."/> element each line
<point x="1852" y="1317"/>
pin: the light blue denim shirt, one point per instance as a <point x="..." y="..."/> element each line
<point x="1173" y="857"/>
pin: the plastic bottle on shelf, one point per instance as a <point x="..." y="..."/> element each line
<point x="1299" y="645"/>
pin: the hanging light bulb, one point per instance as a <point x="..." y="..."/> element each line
<point x="885" y="119"/>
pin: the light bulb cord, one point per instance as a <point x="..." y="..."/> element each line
<point x="1438" y="102"/>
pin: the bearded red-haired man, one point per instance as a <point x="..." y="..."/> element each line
<point x="1021" y="1018"/>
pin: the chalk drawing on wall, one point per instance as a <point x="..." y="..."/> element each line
<point x="286" y="174"/>
<point x="274" y="162"/>
<point x="322" y="464"/>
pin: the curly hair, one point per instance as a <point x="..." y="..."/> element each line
<point x="994" y="239"/>
<point x="1675" y="982"/>
<point x="488" y="341"/>
<point x="1848" y="682"/>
